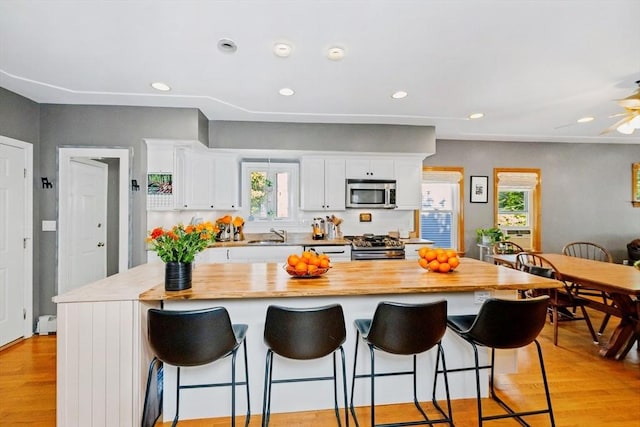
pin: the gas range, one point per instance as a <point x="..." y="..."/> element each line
<point x="371" y="247"/>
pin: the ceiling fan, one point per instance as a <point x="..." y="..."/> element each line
<point x="630" y="117"/>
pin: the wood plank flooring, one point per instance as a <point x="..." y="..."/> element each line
<point x="586" y="390"/>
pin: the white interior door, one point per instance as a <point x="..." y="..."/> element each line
<point x="12" y="248"/>
<point x="88" y="201"/>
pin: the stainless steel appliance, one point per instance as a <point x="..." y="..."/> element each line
<point x="375" y="247"/>
<point x="371" y="193"/>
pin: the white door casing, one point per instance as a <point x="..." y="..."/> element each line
<point x="16" y="248"/>
<point x="65" y="224"/>
<point x="88" y="245"/>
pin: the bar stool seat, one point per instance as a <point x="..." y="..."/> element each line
<point x="407" y="330"/>
<point x="503" y="324"/>
<point x="194" y="338"/>
<point x="304" y="334"/>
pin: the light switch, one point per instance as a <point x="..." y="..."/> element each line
<point x="48" y="225"/>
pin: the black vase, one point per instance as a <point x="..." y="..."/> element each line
<point x="177" y="276"/>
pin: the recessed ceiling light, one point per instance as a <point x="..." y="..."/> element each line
<point x="282" y="50"/>
<point x="399" y="94"/>
<point x="227" y="45"/>
<point x="285" y="91"/>
<point x="476" y="116"/>
<point x="586" y="119"/>
<point x="335" y="53"/>
<point x="163" y="87"/>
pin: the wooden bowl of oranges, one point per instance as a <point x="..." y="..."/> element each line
<point x="438" y="260"/>
<point x="307" y="265"/>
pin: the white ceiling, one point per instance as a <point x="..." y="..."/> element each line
<point x="532" y="67"/>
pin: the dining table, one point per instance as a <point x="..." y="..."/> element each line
<point x="620" y="282"/>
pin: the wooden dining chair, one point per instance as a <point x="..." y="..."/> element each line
<point x="506" y="247"/>
<point x="595" y="252"/>
<point x="561" y="300"/>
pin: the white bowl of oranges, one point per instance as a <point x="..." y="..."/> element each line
<point x="438" y="260"/>
<point x="307" y="265"/>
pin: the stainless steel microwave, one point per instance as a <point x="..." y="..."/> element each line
<point x="371" y="193"/>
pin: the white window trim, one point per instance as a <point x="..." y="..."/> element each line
<point x="293" y="169"/>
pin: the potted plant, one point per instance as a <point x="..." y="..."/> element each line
<point x="488" y="236"/>
<point x="178" y="247"/>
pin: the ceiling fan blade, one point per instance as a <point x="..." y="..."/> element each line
<point x="631" y="102"/>
<point x="616" y="124"/>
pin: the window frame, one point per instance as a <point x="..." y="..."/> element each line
<point x="534" y="209"/>
<point x="292" y="168"/>
<point x="460" y="214"/>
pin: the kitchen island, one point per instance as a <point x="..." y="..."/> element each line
<point x="103" y="354"/>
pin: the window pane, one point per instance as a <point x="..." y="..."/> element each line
<point x="258" y="204"/>
<point x="436" y="226"/>
<point x="437" y="216"/>
<point x="282" y="195"/>
<point x="513" y="208"/>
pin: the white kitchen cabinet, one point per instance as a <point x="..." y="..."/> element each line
<point x="249" y="254"/>
<point x="408" y="175"/>
<point x="322" y="184"/>
<point x="370" y="168"/>
<point x="411" y="249"/>
<point x="206" y="180"/>
<point x="336" y="253"/>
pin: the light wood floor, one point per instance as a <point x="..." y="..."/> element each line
<point x="586" y="390"/>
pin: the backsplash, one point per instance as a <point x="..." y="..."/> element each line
<point x="382" y="220"/>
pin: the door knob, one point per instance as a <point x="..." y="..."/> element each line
<point x="100" y="244"/>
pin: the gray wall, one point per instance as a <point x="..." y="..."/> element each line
<point x="104" y="126"/>
<point x="586" y="189"/>
<point x="322" y="137"/>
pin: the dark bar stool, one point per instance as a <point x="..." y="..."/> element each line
<point x="504" y="324"/>
<point x="304" y="334"/>
<point x="404" y="329"/>
<point x="195" y="338"/>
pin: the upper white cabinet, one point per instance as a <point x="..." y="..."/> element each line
<point x="408" y="183"/>
<point x="322" y="184"/>
<point x="370" y="168"/>
<point x="206" y="180"/>
<point x="201" y="179"/>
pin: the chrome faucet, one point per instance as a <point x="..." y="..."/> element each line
<point x="280" y="233"/>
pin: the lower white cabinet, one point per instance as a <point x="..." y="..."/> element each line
<point x="242" y="254"/>
<point x="336" y="253"/>
<point x="411" y="249"/>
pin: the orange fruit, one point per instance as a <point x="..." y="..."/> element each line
<point x="453" y="262"/>
<point x="430" y="255"/>
<point x="439" y="251"/>
<point x="314" y="260"/>
<point x="422" y="252"/>
<point x="324" y="263"/>
<point x="301" y="267"/>
<point x="434" y="265"/>
<point x="423" y="263"/>
<point x="451" y="253"/>
<point x="312" y="269"/>
<point x="293" y="260"/>
<point x="323" y="256"/>
<point x="444" y="268"/>
<point x="442" y="257"/>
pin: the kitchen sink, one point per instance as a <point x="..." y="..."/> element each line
<point x="265" y="242"/>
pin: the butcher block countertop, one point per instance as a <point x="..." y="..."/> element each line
<point x="270" y="280"/>
<point x="261" y="280"/>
